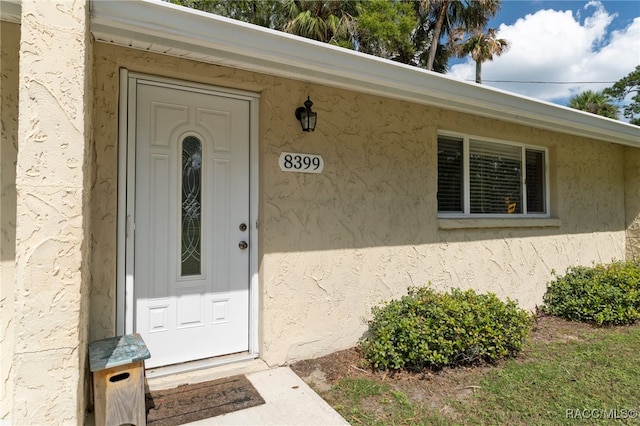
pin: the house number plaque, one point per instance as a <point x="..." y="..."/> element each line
<point x="302" y="163"/>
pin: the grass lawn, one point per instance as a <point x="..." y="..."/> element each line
<point x="568" y="373"/>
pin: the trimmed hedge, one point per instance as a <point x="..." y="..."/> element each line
<point x="429" y="329"/>
<point x="603" y="294"/>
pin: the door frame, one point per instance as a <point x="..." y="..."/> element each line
<point x="125" y="299"/>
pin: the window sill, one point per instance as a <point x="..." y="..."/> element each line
<point x="488" y="223"/>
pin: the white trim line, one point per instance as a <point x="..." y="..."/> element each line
<point x="189" y="86"/>
<point x="201" y="364"/>
<point x="121" y="247"/>
<point x="501" y="223"/>
<point x="178" y="31"/>
<point x="130" y="206"/>
<point x="254" y="198"/>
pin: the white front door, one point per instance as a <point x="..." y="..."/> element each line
<point x="191" y="264"/>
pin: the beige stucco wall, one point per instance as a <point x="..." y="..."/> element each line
<point x="9" y="47"/>
<point x="333" y="245"/>
<point x="52" y="184"/>
<point x="632" y="203"/>
<point x="367" y="228"/>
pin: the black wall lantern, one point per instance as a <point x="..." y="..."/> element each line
<point x="307" y="117"/>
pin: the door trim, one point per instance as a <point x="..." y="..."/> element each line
<point x="125" y="302"/>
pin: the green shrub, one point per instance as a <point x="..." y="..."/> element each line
<point x="429" y="329"/>
<point x="603" y="294"/>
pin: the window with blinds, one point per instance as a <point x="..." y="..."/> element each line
<point x="495" y="178"/>
<point x="535" y="181"/>
<point x="450" y="176"/>
<point x="479" y="177"/>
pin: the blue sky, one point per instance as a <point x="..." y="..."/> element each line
<point x="513" y="10"/>
<point x="590" y="43"/>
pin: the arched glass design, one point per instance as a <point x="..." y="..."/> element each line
<point x="191" y="206"/>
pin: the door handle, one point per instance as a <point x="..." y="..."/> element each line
<point x="243" y="245"/>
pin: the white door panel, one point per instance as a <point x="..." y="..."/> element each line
<point x="192" y="194"/>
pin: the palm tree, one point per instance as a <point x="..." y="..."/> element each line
<point x="449" y="14"/>
<point x="595" y="103"/>
<point x="327" y="21"/>
<point x="482" y="46"/>
<point x="446" y="13"/>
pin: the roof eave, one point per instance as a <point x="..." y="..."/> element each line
<point x="174" y="30"/>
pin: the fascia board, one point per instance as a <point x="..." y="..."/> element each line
<point x="233" y="43"/>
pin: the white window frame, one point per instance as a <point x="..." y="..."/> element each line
<point x="466" y="138"/>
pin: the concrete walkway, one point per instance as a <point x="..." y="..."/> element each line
<point x="289" y="401"/>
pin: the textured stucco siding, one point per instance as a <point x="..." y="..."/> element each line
<point x="333" y="245"/>
<point x="9" y="48"/>
<point x="358" y="235"/>
<point x="52" y="184"/>
<point x="632" y="192"/>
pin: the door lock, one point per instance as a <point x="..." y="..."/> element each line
<point x="243" y="245"/>
<point x="243" y="227"/>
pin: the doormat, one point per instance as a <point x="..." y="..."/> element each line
<point x="188" y="403"/>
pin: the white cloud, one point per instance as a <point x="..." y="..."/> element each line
<point x="552" y="45"/>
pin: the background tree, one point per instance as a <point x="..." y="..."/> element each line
<point x="624" y="87"/>
<point x="385" y="29"/>
<point x="482" y="46"/>
<point x="331" y="21"/>
<point x="407" y="31"/>
<point x="449" y="15"/>
<point x="595" y="103"/>
<point x="265" y="13"/>
<point x="400" y="31"/>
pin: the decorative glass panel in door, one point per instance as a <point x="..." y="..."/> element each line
<point x="191" y="205"/>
